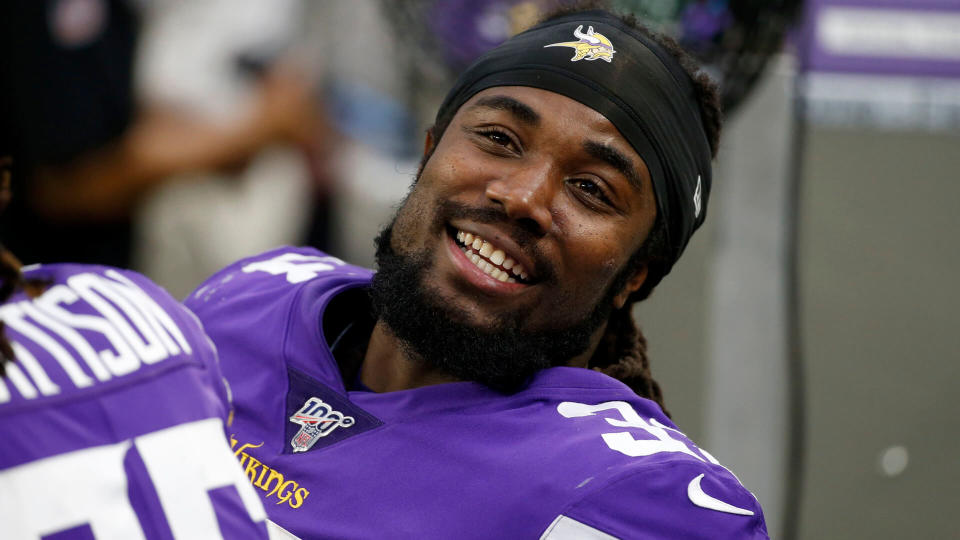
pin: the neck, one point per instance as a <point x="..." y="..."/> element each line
<point x="582" y="360"/>
<point x="388" y="365"/>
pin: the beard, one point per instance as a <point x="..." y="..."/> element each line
<point x="503" y="356"/>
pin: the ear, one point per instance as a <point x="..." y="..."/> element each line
<point x="633" y="284"/>
<point x="428" y="142"/>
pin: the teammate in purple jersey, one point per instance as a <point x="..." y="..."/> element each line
<point x="112" y="411"/>
<point x="489" y="381"/>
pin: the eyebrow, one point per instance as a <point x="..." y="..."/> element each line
<point x="520" y="110"/>
<point x="615" y="159"/>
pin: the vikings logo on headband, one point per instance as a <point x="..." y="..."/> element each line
<point x="592" y="46"/>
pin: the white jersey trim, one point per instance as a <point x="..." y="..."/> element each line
<point x="276" y="532"/>
<point x="566" y="528"/>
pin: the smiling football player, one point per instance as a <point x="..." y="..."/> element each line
<point x="488" y="381"/>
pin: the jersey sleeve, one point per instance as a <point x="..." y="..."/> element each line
<point x="681" y="499"/>
<point x="259" y="309"/>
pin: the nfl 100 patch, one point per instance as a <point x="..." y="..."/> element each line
<point x="318" y="416"/>
<point x="317" y="419"/>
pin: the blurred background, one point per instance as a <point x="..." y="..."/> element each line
<point x="807" y="337"/>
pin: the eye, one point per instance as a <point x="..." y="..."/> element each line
<point x="591" y="189"/>
<point x="496" y="136"/>
<point x="492" y="138"/>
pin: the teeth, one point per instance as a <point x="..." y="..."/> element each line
<point x="490" y="260"/>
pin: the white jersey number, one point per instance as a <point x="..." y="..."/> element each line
<point x="623" y="441"/>
<point x="89" y="486"/>
<point x="297" y="267"/>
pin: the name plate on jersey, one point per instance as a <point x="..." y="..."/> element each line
<point x="318" y="416"/>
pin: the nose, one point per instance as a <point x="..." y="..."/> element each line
<point x="526" y="196"/>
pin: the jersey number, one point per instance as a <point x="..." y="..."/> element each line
<point x="89" y="486"/>
<point x="297" y="267"/>
<point x="623" y="441"/>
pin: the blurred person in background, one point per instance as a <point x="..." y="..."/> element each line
<point x="92" y="146"/>
<point x="112" y="410"/>
<point x="211" y="60"/>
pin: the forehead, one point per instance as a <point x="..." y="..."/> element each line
<point x="551" y="107"/>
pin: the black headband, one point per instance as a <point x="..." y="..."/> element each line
<point x="596" y="59"/>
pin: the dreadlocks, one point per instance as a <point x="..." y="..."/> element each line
<point x="11" y="280"/>
<point x="622" y="352"/>
<point x="10" y="277"/>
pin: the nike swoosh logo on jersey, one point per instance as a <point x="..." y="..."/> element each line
<point x="701" y="499"/>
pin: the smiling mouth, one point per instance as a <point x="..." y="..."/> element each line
<point x="490" y="259"/>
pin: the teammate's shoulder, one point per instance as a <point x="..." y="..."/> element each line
<point x="87" y="328"/>
<point x="275" y="273"/>
<point x="105" y="290"/>
<point x="47" y="275"/>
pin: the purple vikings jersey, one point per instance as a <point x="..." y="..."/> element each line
<point x="112" y="417"/>
<point x="574" y="455"/>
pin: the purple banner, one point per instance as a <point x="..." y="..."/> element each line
<point x="893" y="37"/>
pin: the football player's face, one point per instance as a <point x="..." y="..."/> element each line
<point x="530" y="205"/>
